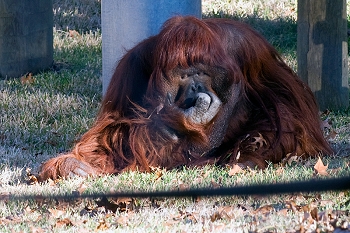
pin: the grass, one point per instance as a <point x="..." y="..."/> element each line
<point x="46" y="116"/>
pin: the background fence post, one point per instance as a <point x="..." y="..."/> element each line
<point x="323" y="51"/>
<point x="26" y="37"/>
<point x="127" y="22"/>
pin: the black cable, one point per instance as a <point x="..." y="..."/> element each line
<point x="319" y="185"/>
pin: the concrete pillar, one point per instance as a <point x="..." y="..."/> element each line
<point x="323" y="51"/>
<point x="127" y="22"/>
<point x="26" y="38"/>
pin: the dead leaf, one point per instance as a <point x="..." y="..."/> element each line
<point x="236" y="169"/>
<point x="191" y="218"/>
<point x="28" y="210"/>
<point x="314" y="214"/>
<point x="123" y="220"/>
<point x="53" y="182"/>
<point x="64" y="222"/>
<point x="31" y="179"/>
<point x="158" y="172"/>
<point x="253" y="143"/>
<point x="27" y="79"/>
<point x="291" y="205"/>
<point x="259" y="141"/>
<point x="81" y="188"/>
<point x="280" y="171"/>
<point x="308" y="219"/>
<point x="225" y="212"/>
<point x="159" y="175"/>
<point x="186" y="216"/>
<point x="304" y="208"/>
<point x="243" y="207"/>
<point x="283" y="212"/>
<point x="320" y="168"/>
<point x="292" y="159"/>
<point x="56" y="213"/>
<point x="74" y="33"/>
<point x="215" y="216"/>
<point x="332" y="134"/>
<point x="326" y="202"/>
<point x="102" y="226"/>
<point x="266" y="209"/>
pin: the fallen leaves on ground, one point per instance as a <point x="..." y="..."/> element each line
<point x="309" y="213"/>
<point x="64" y="223"/>
<point x="290" y="159"/>
<point x="27" y="79"/>
<point x="73" y="34"/>
<point x="120" y="204"/>
<point x="223" y="212"/>
<point x="56" y="213"/>
<point x="158" y="172"/>
<point x="309" y="217"/>
<point x="31" y="179"/>
<point x="236" y="169"/>
<point x="182" y="217"/>
<point x="320" y="168"/>
<point x="259" y="141"/>
<point x="102" y="226"/>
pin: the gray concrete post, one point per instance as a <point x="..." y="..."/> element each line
<point x="323" y="51"/>
<point x="26" y="38"/>
<point x="127" y="22"/>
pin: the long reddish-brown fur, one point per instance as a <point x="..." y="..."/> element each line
<point x="273" y="114"/>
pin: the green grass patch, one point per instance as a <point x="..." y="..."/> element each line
<point x="41" y="119"/>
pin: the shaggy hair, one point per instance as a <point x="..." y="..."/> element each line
<point x="264" y="111"/>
